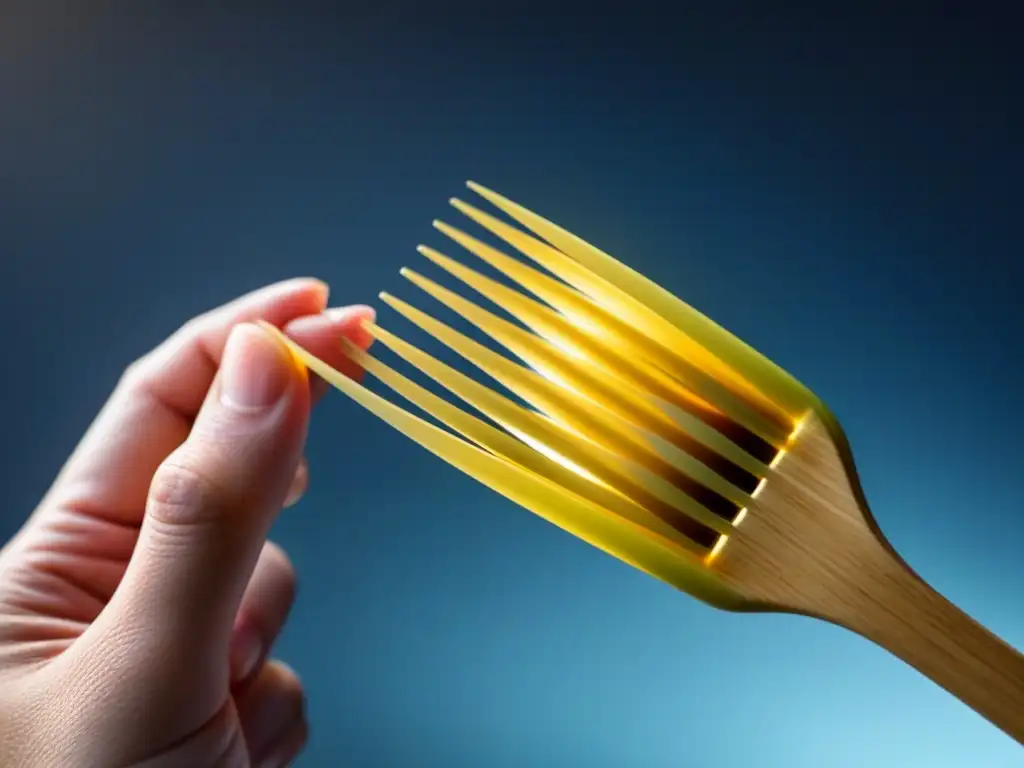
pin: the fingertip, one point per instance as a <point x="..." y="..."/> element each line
<point x="322" y="289"/>
<point x="349" y="323"/>
<point x="288" y="746"/>
<point x="329" y="321"/>
<point x="281" y="302"/>
<point x="353" y="312"/>
<point x="316" y="288"/>
<point x="353" y="325"/>
<point x="320" y="334"/>
<point x="272" y="715"/>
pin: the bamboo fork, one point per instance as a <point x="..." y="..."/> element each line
<point x="659" y="437"/>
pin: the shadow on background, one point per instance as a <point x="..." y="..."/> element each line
<point x="841" y="190"/>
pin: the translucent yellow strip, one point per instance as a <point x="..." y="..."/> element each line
<point x="585" y="416"/>
<point x="673" y="350"/>
<point x="601" y="326"/>
<point x="570" y="448"/>
<point x="596" y="384"/>
<point x="554" y="468"/>
<point x="597" y="526"/>
<point x="767" y="377"/>
<point x="621" y="304"/>
<point x="579" y="326"/>
<point x="599" y="351"/>
<point x="585" y="413"/>
<point x="598" y="345"/>
<point x="576" y="374"/>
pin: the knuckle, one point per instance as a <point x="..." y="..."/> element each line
<point x="141" y="369"/>
<point x="182" y="494"/>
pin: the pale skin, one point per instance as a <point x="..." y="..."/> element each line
<point x="140" y="601"/>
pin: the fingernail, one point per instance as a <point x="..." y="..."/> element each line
<point x="255" y="370"/>
<point x="355" y="332"/>
<point x="246" y="650"/>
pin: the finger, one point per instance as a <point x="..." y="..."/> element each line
<point x="153" y="406"/>
<point x="265" y="606"/>
<point x="287" y="748"/>
<point x="211" y="504"/>
<point x="320" y="334"/>
<point x="271" y="711"/>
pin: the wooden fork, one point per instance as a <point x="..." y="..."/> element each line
<point x="659" y="437"/>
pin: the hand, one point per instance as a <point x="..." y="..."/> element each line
<point x="140" y="600"/>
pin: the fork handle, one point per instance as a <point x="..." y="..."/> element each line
<point x="893" y="607"/>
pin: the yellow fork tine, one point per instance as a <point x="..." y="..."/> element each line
<point x="619" y="303"/>
<point x="602" y="328"/>
<point x="578" y="327"/>
<point x="541" y="355"/>
<point x="595" y="382"/>
<point x="619" y="537"/>
<point x="503" y="445"/>
<point x="603" y="353"/>
<point x="764" y="375"/>
<point x="586" y="416"/>
<point x="564" y="445"/>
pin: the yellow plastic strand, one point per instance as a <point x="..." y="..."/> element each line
<point x="560" y="443"/>
<point x="770" y="380"/>
<point x="599" y="527"/>
<point x="555" y="469"/>
<point x="574" y="409"/>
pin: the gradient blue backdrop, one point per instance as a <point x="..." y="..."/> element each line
<point x="840" y="190"/>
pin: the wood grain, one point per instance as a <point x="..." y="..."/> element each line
<point x="810" y="546"/>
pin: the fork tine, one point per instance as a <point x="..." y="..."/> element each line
<point x="767" y="377"/>
<point x="600" y="385"/>
<point x="518" y="451"/>
<point x="677" y="380"/>
<point x="591" y="420"/>
<point x="561" y="443"/>
<point x="603" y="355"/>
<point x="676" y="352"/>
<point x="578" y="374"/>
<point x="619" y="303"/>
<point x="579" y="326"/>
<point x="619" y="537"/>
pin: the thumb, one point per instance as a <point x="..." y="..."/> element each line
<point x="213" y="500"/>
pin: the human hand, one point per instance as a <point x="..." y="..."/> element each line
<point x="140" y="600"/>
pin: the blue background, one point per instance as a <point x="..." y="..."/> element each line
<point x="841" y="190"/>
